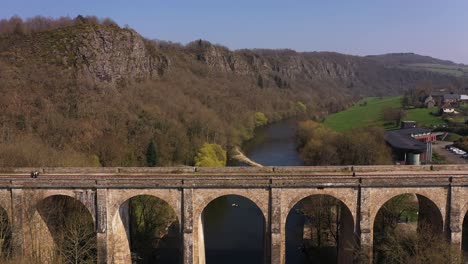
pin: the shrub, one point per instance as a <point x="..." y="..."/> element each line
<point x="260" y="119"/>
<point x="211" y="155"/>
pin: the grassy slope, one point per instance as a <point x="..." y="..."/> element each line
<point x="360" y="115"/>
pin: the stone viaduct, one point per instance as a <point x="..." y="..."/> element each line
<point x="275" y="190"/>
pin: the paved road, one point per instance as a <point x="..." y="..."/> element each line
<point x="451" y="157"/>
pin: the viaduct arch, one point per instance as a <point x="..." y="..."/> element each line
<point x="347" y="238"/>
<point x="261" y="215"/>
<point x="188" y="190"/>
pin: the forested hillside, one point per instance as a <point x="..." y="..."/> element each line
<point x="85" y="92"/>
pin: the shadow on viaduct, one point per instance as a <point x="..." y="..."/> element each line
<point x="275" y="190"/>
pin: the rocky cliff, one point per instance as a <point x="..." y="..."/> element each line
<point x="109" y="55"/>
<point x="287" y="68"/>
<point x="106" y="54"/>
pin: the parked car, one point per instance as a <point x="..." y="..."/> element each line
<point x="458" y="151"/>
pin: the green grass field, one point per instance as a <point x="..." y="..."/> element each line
<point x="361" y="115"/>
<point x="423" y="116"/>
<point x="367" y="112"/>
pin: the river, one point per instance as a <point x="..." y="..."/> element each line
<point x="234" y="226"/>
<point x="274" y="145"/>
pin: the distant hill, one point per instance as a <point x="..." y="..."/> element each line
<point x="85" y="92"/>
<point x="408" y="58"/>
<point x="417" y="62"/>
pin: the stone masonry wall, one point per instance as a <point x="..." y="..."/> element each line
<point x="188" y="190"/>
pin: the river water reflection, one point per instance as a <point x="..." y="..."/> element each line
<point x="235" y="234"/>
<point x="274" y="145"/>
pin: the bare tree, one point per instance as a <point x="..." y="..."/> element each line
<point x="324" y="216"/>
<point x="401" y="236"/>
<point x="393" y="114"/>
<point x="401" y="247"/>
<point x="72" y="229"/>
<point x="5" y="235"/>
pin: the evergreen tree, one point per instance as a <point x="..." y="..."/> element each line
<point x="151" y="155"/>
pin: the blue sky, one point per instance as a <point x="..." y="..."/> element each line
<point x="360" y="27"/>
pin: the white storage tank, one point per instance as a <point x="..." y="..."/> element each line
<point x="414" y="159"/>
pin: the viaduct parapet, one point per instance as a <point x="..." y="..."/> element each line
<point x="275" y="190"/>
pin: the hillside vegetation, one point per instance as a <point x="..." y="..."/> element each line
<point x="319" y="145"/>
<point x="85" y="92"/>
